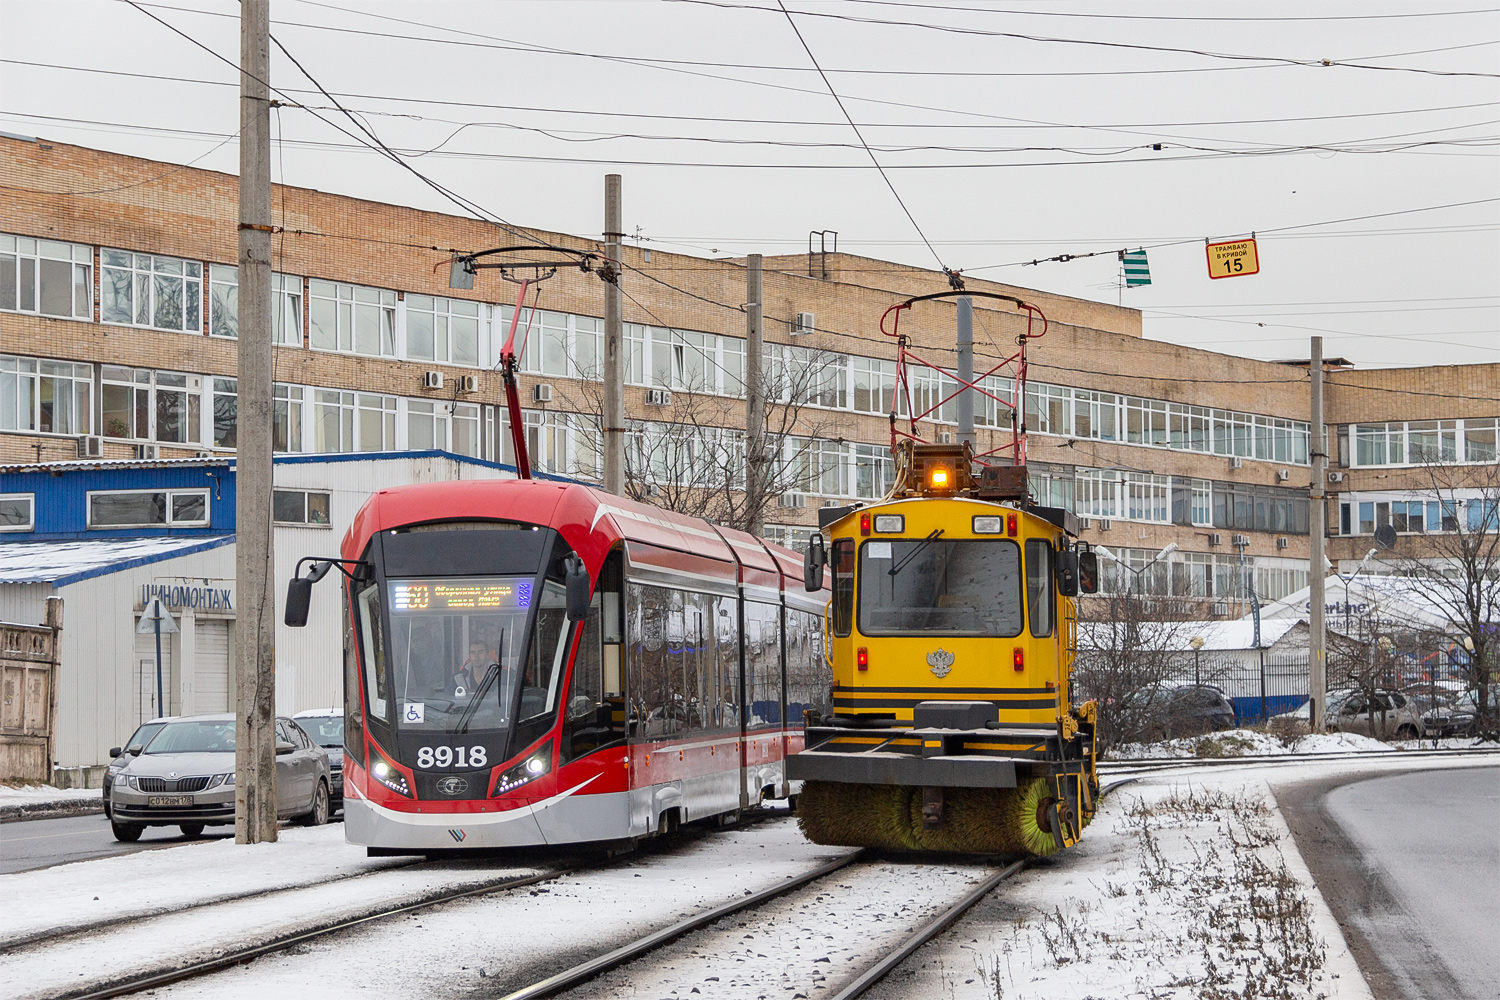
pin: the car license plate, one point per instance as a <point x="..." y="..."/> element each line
<point x="169" y="800"/>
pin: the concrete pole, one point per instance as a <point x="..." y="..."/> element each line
<point x="255" y="625"/>
<point x="755" y="397"/>
<point x="614" y="346"/>
<point x="965" y="398"/>
<point x="1317" y="511"/>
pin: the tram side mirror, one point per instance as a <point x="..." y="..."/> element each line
<point x="299" y="593"/>
<point x="1067" y="573"/>
<point x="1088" y="572"/>
<point x="579" y="596"/>
<point x="813" y="562"/>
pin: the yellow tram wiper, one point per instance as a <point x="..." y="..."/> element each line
<point x="936" y="533"/>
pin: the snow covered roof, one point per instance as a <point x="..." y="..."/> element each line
<point x="1391" y="598"/>
<point x="62" y="563"/>
<point x="1217" y="635"/>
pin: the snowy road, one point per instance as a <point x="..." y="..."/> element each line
<point x="1431" y="840"/>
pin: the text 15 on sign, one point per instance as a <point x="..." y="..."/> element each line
<point x="1234" y="259"/>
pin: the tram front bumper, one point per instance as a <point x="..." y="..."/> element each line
<point x="888" y="768"/>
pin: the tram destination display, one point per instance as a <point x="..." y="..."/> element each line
<point x="449" y="594"/>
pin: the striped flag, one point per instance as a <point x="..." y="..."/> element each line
<point x="1137" y="272"/>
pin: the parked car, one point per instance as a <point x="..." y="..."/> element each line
<point x="1175" y="711"/>
<point x="120" y="756"/>
<point x="1458" y="716"/>
<point x="184" y="776"/>
<point x="326" y="727"/>
<point x="1395" y="716"/>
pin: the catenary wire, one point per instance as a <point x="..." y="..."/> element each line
<point x="1214" y="17"/>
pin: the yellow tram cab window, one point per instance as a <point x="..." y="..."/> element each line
<point x="988" y="524"/>
<point x="890" y="524"/>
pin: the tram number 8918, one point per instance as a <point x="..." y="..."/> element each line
<point x="474" y="756"/>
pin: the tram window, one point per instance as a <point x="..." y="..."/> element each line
<point x="1039" y="590"/>
<point x="372" y="632"/>
<point x="934" y="585"/>
<point x="843" y="586"/>
<point x="807" y="676"/>
<point x="543" y="674"/>
<point x="354" y="735"/>
<point x="649" y="687"/>
<point x="726" y="625"/>
<point x="762" y="665"/>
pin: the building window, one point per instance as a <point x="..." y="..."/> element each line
<point x="179" y="400"/>
<point x="286" y="418"/>
<point x="1422" y="442"/>
<point x="148" y="508"/>
<point x="46" y="277"/>
<point x="426" y="425"/>
<point x="141" y="289"/>
<point x="1098" y="493"/>
<point x="1146" y="422"/>
<point x="820" y="465"/>
<point x="1047" y="409"/>
<point x="873" y="471"/>
<point x="333" y="421"/>
<point x="351" y="319"/>
<point x="224" y="305"/>
<point x="152" y="406"/>
<point x="465" y="438"/>
<point x="1096" y="415"/>
<point x="377" y="422"/>
<point x="301" y="507"/>
<point x="442" y="330"/>
<point x="17" y="511"/>
<point x="1147" y="498"/>
<point x="874" y="386"/>
<point x="51" y="397"/>
<point x="225" y="408"/>
<point x="1203" y="513"/>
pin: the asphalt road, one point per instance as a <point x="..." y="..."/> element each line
<point x="1410" y="864"/>
<point x="40" y="843"/>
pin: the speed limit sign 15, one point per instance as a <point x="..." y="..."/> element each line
<point x="1233" y="259"/>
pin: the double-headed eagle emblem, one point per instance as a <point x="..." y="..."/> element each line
<point x="941" y="662"/>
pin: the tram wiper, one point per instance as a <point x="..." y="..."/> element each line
<point x="936" y="533"/>
<point x="491" y="675"/>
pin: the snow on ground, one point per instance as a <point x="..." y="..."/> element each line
<point x="1186" y="886"/>
<point x="15" y="798"/>
<point x="1255" y="743"/>
<point x="129" y="886"/>
<point x="500" y="942"/>
<point x="818" y="938"/>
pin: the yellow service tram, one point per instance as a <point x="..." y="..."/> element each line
<point x="951" y="635"/>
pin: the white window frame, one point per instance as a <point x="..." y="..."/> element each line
<point x="30" y="523"/>
<point x="286" y="305"/>
<point x="444" y="311"/>
<point x="349" y="303"/>
<point x="146" y="271"/>
<point x="304" y="522"/>
<point x="17" y="251"/>
<point x="170" y="522"/>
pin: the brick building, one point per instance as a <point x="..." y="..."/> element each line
<point x="117" y="312"/>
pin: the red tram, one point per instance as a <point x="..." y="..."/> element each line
<point x="532" y="662"/>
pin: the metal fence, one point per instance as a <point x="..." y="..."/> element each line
<point x="1259" y="685"/>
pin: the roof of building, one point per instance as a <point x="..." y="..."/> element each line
<point x="1395" y="600"/>
<point x="62" y="563"/>
<point x="94" y="464"/>
<point x="1218" y="636"/>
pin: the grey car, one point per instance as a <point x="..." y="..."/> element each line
<point x="183" y="776"/>
<point x="120" y="756"/>
<point x="326" y="727"/>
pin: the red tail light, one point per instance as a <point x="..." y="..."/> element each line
<point x="862" y="658"/>
<point x="1019" y="658"/>
<point x="1010" y="525"/>
<point x="864" y="524"/>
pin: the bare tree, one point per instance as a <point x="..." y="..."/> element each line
<point x="1458" y="566"/>
<point x="691" y="456"/>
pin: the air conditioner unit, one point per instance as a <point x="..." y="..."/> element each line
<point x="1283" y="474"/>
<point x="1236" y="463"/>
<point x="432" y="380"/>
<point x="945" y="437"/>
<point x="1240" y="541"/>
<point x="804" y="323"/>
<point x="90" y="446"/>
<point x="653" y="490"/>
<point x="834" y="503"/>
<point x="148" y="451"/>
<point x="1335" y="477"/>
<point x="1281" y="543"/>
<point x="660" y="397"/>
<point x="541" y="392"/>
<point x="468" y="383"/>
<point x="204" y="454"/>
<point x="1218" y="609"/>
<point x="791" y="500"/>
<point x="1084" y="523"/>
<point x="1214" y="538"/>
<point x="1105" y="524"/>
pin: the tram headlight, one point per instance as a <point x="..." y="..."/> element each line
<point x="388" y="776"/>
<point x="533" y="767"/>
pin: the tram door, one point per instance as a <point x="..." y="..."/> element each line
<point x="760" y="737"/>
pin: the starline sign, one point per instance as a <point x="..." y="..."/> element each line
<point x="181" y="596"/>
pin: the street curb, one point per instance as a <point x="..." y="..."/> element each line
<point x="51" y="810"/>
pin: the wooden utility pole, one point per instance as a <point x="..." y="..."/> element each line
<point x="755" y="397"/>
<point x="614" y="346"/>
<point x="1317" y="507"/>
<point x="255" y="625"/>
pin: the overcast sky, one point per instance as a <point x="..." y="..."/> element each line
<point x="1003" y="148"/>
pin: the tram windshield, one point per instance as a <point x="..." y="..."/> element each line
<point x="468" y="654"/>
<point x="937" y="586"/>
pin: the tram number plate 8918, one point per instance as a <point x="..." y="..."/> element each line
<point x="474" y="756"/>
